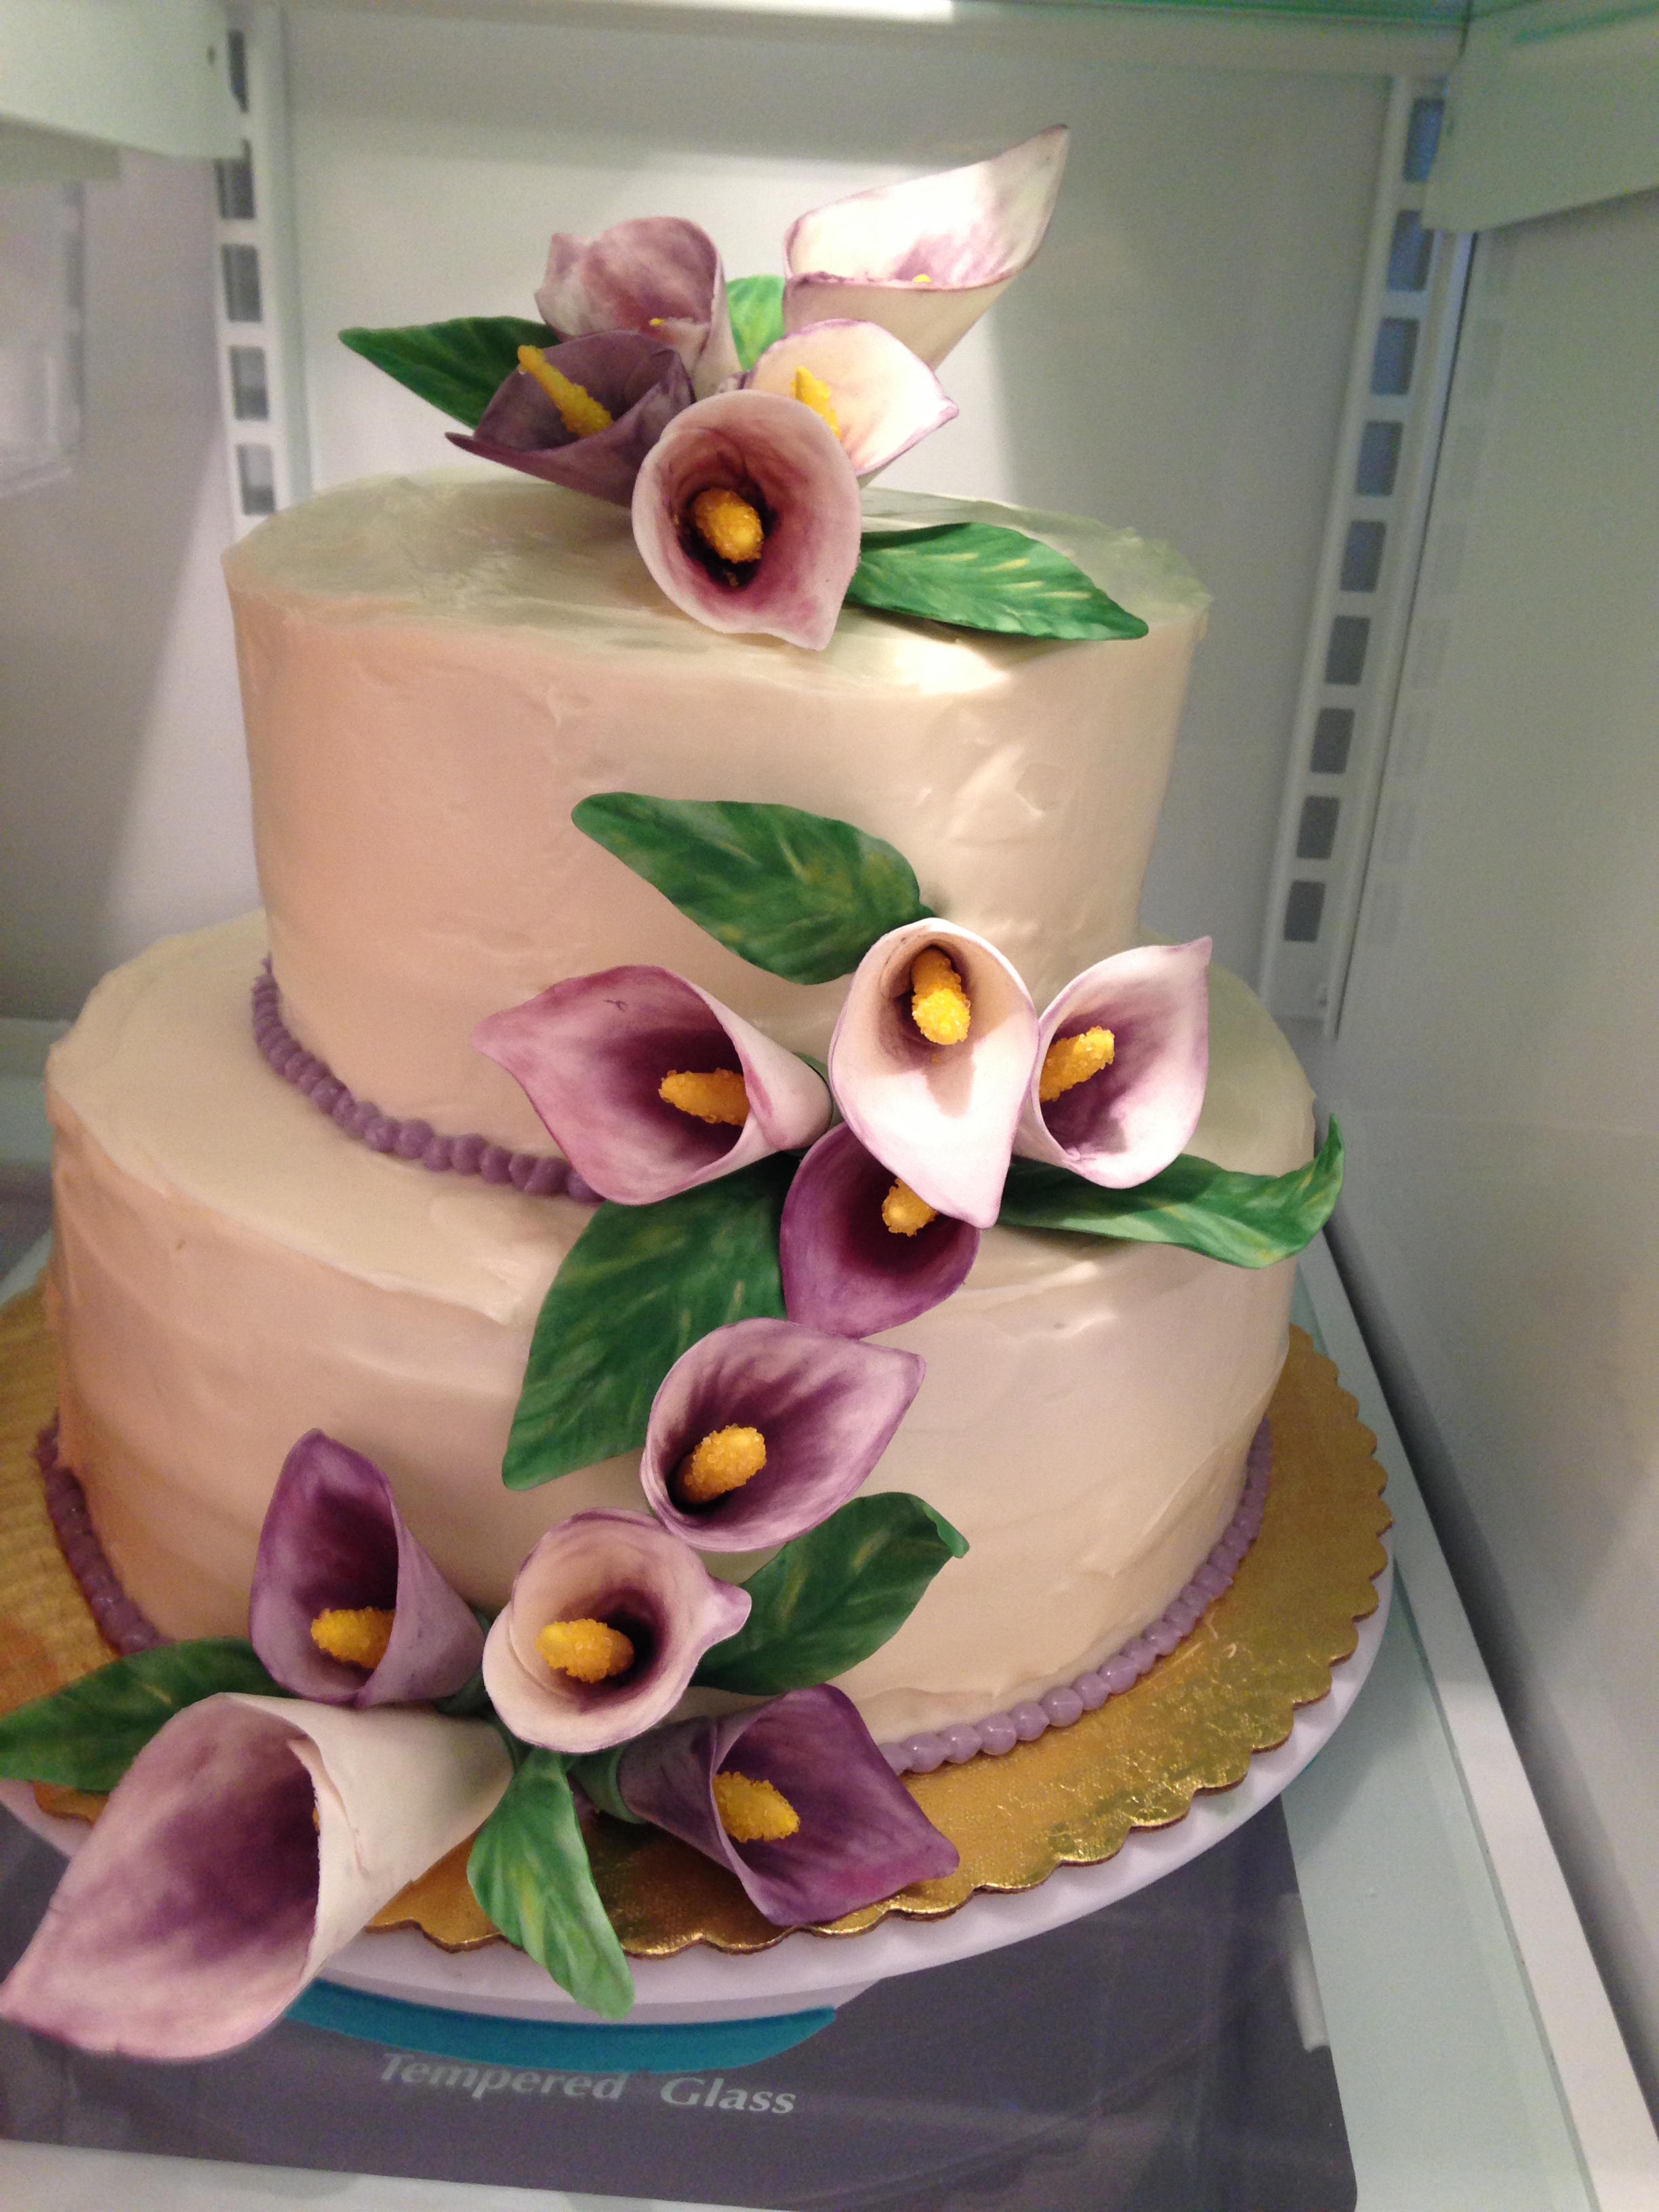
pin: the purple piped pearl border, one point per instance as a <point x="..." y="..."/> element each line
<point x="1058" y="1708"/>
<point x="538" y="1175"/>
<point x="126" y="1628"/>
<point x="119" y="1621"/>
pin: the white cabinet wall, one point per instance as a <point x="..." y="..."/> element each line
<point x="1496" y="1067"/>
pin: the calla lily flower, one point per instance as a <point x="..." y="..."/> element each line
<point x="926" y="259"/>
<point x="785" y="465"/>
<point x="249" y="1840"/>
<point x="862" y="1836"/>
<point x="886" y="400"/>
<point x="658" y="275"/>
<point x="336" y="1557"/>
<point x="659" y="1609"/>
<point x="939" y="1115"/>
<point x="1128" y="1120"/>
<point x="845" y="1267"/>
<point x="593" y="1054"/>
<point x="640" y="383"/>
<point x="822" y="1408"/>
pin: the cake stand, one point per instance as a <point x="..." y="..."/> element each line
<point x="1054" y="1831"/>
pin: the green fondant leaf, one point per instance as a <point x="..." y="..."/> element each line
<point x="86" y="1736"/>
<point x="528" y="1868"/>
<point x="833" y="1596"/>
<point x="597" y="1772"/>
<point x="455" y="364"/>
<point x="1249" y="1221"/>
<point x="640" y="1285"/>
<point x="799" y="895"/>
<point x="978" y="576"/>
<point x="757" y="307"/>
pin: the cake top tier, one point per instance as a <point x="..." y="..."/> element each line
<point x="437" y="671"/>
<point x="495" y="551"/>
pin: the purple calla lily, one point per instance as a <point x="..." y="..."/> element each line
<point x="659" y="275"/>
<point x="844" y="1269"/>
<point x="333" y="1541"/>
<point x="642" y="383"/>
<point x="1126" y="1122"/>
<point x="862" y="1837"/>
<point x="886" y="400"/>
<point x="926" y="258"/>
<point x="940" y="1116"/>
<point x="824" y="1406"/>
<point x="249" y="1840"/>
<point x="592" y="1053"/>
<point x="624" y="1572"/>
<point x="787" y="466"/>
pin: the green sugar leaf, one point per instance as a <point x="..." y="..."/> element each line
<point x="801" y="895"/>
<point x="978" y="576"/>
<point x="640" y="1285"/>
<point x="1249" y="1221"/>
<point x="529" y="1870"/>
<point x="756" y="310"/>
<point x="455" y="364"/>
<point x="834" y="1595"/>
<point x="87" y="1736"/>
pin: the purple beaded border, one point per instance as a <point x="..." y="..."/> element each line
<point x="119" y="1621"/>
<point x="538" y="1175"/>
<point x="998" y="1733"/>
<point x="126" y="1628"/>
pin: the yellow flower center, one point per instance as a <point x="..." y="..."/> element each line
<point x="921" y="280"/>
<point x="1070" y="1061"/>
<point x="579" y="412"/>
<point x="725" y="521"/>
<point x="358" y="1634"/>
<point x="904" y="1213"/>
<point x="940" y="1004"/>
<point x="753" y="1812"/>
<point x="586" y="1651"/>
<point x="812" y="392"/>
<point x="725" y="1460"/>
<point x="717" y="1096"/>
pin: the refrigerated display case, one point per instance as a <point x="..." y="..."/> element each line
<point x="1357" y="309"/>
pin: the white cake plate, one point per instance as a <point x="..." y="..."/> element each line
<point x="805" y="1974"/>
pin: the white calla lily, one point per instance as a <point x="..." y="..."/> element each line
<point x="939" y="1115"/>
<point x="884" y="400"/>
<point x="926" y="258"/>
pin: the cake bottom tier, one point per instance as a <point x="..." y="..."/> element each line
<point x="231" y="1270"/>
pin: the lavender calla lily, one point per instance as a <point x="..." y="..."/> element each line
<point x="940" y="1116"/>
<point x="786" y="466"/>
<point x="657" y="274"/>
<point x="824" y="1406"/>
<point x="845" y="1269"/>
<point x="1129" y="1121"/>
<point x="926" y="258"/>
<point x="642" y="385"/>
<point x="625" y="1572"/>
<point x="333" y="1541"/>
<point x="886" y="400"/>
<point x="249" y="1840"/>
<point x="862" y="1837"/>
<point x="592" y="1053"/>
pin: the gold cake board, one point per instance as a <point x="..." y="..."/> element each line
<point x="1266" y="1646"/>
